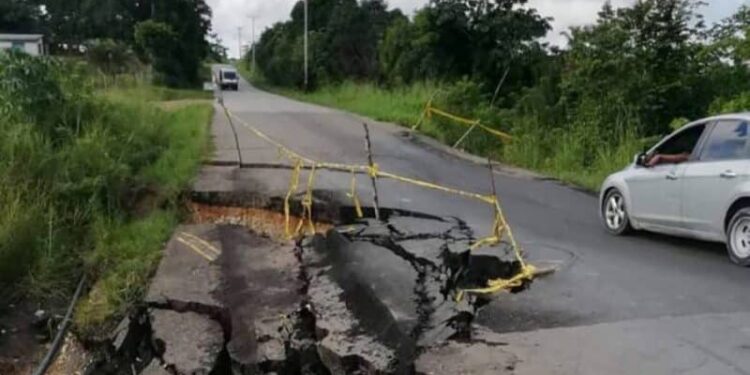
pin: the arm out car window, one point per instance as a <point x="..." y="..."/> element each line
<point x="683" y="142"/>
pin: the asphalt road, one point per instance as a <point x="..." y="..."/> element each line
<point x="619" y="288"/>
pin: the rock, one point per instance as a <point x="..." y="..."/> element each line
<point x="120" y="334"/>
<point x="189" y="343"/>
<point x="40" y="317"/>
<point x="154" y="368"/>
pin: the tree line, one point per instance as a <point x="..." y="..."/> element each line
<point x="631" y="74"/>
<point x="172" y="35"/>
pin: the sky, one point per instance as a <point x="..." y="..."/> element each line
<point x="228" y="15"/>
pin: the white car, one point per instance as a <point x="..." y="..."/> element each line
<point x="694" y="183"/>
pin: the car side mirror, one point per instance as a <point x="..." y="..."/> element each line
<point x="640" y="159"/>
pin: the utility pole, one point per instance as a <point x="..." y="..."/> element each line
<point x="239" y="43"/>
<point x="252" y="44"/>
<point x="305" y="45"/>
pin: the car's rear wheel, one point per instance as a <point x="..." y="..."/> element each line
<point x="614" y="214"/>
<point x="738" y="237"/>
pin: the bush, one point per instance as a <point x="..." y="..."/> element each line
<point x="465" y="99"/>
<point x="111" y="57"/>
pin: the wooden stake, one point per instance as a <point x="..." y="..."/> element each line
<point x="492" y="177"/>
<point x="375" y="200"/>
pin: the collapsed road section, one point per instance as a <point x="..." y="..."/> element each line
<point x="361" y="297"/>
<point x="361" y="290"/>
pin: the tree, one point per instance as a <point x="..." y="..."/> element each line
<point x="175" y="40"/>
<point x="456" y="38"/>
<point x="216" y="50"/>
<point x="159" y="41"/>
<point x="20" y="16"/>
<point x="344" y="37"/>
<point x="109" y="56"/>
<point x="644" y="61"/>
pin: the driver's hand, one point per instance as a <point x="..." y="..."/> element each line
<point x="654" y="160"/>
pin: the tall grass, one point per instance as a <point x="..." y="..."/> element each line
<point x="89" y="182"/>
<point x="402" y="105"/>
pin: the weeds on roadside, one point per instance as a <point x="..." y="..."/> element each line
<point x="88" y="182"/>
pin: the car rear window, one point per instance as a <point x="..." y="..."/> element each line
<point x="728" y="140"/>
<point x="230" y="75"/>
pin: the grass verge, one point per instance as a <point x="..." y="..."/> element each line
<point x="126" y="251"/>
<point x="90" y="182"/>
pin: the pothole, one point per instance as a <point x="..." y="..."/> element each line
<point x="263" y="221"/>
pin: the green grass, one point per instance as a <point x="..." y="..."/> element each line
<point x="152" y="93"/>
<point x="402" y="105"/>
<point x="92" y="187"/>
<point x="125" y="255"/>
<point x="126" y="251"/>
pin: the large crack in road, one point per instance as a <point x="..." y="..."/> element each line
<point x="363" y="297"/>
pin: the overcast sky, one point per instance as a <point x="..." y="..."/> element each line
<point x="231" y="14"/>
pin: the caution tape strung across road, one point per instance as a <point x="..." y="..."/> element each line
<point x="500" y="226"/>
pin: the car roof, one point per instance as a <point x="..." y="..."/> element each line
<point x="227" y="69"/>
<point x="727" y="116"/>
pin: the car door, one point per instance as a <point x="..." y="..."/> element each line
<point x="655" y="192"/>
<point x="710" y="181"/>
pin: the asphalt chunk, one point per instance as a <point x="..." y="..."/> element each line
<point x="188" y="276"/>
<point x="188" y="343"/>
<point x="261" y="289"/>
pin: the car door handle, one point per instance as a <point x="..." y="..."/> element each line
<point x="672" y="176"/>
<point x="728" y="174"/>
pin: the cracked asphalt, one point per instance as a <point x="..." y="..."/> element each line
<point x="640" y="304"/>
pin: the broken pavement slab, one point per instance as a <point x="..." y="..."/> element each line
<point x="187" y="342"/>
<point x="188" y="276"/>
<point x="261" y="288"/>
<point x="343" y="346"/>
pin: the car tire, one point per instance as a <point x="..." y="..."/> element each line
<point x="738" y="237"/>
<point x="614" y="214"/>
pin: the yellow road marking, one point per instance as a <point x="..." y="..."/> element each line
<point x="196" y="249"/>
<point x="205" y="243"/>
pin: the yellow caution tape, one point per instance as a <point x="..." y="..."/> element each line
<point x="293" y="184"/>
<point x="353" y="195"/>
<point x="499" y="227"/>
<point x="461" y="120"/>
<point x="431" y="110"/>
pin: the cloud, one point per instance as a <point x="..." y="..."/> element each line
<point x="228" y="15"/>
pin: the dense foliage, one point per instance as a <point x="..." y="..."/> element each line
<point x="74" y="27"/>
<point x="581" y="110"/>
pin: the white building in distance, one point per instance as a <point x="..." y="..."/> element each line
<point x="33" y="44"/>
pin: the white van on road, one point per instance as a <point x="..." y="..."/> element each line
<point x="228" y="78"/>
